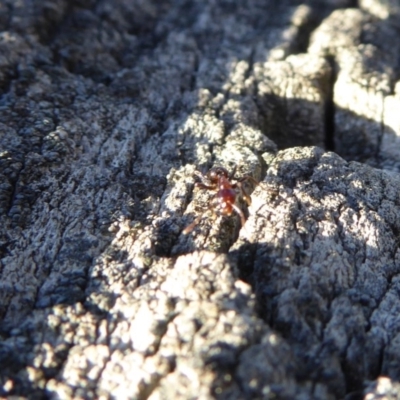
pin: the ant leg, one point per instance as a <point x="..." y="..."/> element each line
<point x="240" y="212"/>
<point x="212" y="207"/>
<point x="190" y="227"/>
<point x="244" y="194"/>
<point x="199" y="175"/>
<point x="232" y="174"/>
<point x="248" y="178"/>
<point x="203" y="179"/>
<point x="204" y="186"/>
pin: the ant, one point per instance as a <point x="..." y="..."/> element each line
<point x="219" y="180"/>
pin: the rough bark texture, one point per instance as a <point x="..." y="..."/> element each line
<point x="107" y="109"/>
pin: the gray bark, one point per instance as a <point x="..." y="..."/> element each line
<point x="108" y="108"/>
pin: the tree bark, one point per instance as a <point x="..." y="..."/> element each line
<point x="108" y="108"/>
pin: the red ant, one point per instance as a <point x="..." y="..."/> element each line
<point x="218" y="179"/>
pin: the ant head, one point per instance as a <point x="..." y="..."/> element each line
<point x="216" y="172"/>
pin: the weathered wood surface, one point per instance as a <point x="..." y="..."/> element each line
<point x="106" y="110"/>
